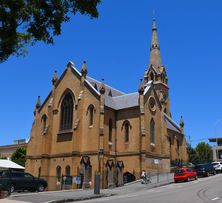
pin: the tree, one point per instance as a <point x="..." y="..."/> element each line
<point x="3" y="157"/>
<point x="192" y="155"/>
<point x="204" y="152"/>
<point x="19" y="156"/>
<point x="24" y="22"/>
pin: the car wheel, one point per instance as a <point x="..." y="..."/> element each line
<point x="215" y="172"/>
<point x="40" y="188"/>
<point x="188" y="179"/>
<point x="196" y="178"/>
<point x="12" y="188"/>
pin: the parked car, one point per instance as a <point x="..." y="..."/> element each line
<point x="205" y="169"/>
<point x="5" y="185"/>
<point x="20" y="181"/>
<point x="217" y="166"/>
<point x="185" y="174"/>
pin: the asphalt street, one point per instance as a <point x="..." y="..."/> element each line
<point x="203" y="190"/>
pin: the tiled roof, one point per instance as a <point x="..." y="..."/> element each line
<point x="123" y="101"/>
<point x="114" y="91"/>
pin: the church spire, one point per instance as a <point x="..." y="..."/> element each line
<point x="155" y="58"/>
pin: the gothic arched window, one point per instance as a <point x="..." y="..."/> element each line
<point x="58" y="173"/>
<point x="44" y="121"/>
<point x="66" y="112"/>
<point x="39" y="173"/>
<point x="110" y="129"/>
<point x="152" y="76"/>
<point x="152" y="131"/>
<point x="91" y="110"/>
<point x="67" y="170"/>
<point x="126" y="126"/>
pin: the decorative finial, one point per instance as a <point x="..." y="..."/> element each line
<point x="181" y="122"/>
<point x="102" y="87"/>
<point x="38" y="103"/>
<point x="141" y="87"/>
<point x="54" y="78"/>
<point x="84" y="69"/>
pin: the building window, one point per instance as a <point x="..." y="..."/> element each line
<point x="152" y="131"/>
<point x="66" y="112"/>
<point x="58" y="173"/>
<point x="67" y="170"/>
<point x="126" y="132"/>
<point x="110" y="130"/>
<point x="152" y="76"/>
<point x="178" y="145"/>
<point x="44" y="120"/>
<point x="126" y="127"/>
<point x="91" y="110"/>
<point x="39" y="174"/>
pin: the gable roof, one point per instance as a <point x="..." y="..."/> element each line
<point x="171" y="124"/>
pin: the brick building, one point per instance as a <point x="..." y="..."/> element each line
<point x="85" y="126"/>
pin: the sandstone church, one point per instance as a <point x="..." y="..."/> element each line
<point x="85" y="126"/>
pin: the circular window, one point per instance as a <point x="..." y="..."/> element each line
<point x="152" y="104"/>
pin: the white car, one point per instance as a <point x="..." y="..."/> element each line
<point x="218" y="166"/>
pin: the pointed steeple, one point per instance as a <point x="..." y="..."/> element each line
<point x="102" y="87"/>
<point x="155" y="57"/>
<point x="141" y="87"/>
<point x="54" y="78"/>
<point x="38" y="103"/>
<point x="84" y="69"/>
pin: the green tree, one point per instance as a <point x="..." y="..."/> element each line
<point x="19" y="156"/>
<point x="24" y="22"/>
<point x="2" y="157"/>
<point x="204" y="152"/>
<point x="192" y="155"/>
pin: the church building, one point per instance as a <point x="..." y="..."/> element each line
<point x="85" y="127"/>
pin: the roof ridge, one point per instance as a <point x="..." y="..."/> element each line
<point x="105" y="84"/>
<point x="125" y="94"/>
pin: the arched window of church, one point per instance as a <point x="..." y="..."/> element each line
<point x="110" y="130"/>
<point x="152" y="76"/>
<point x="39" y="172"/>
<point x="90" y="111"/>
<point x="178" y="145"/>
<point x="152" y="131"/>
<point x="66" y="112"/>
<point x="44" y="122"/>
<point x="126" y="132"/>
<point x="68" y="170"/>
<point x="58" y="173"/>
<point x="126" y="127"/>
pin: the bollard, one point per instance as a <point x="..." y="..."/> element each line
<point x="97" y="184"/>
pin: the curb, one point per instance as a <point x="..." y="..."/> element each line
<point x="81" y="198"/>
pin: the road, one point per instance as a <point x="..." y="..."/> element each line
<point x="204" y="190"/>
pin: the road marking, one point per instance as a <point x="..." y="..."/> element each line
<point x="216" y="198"/>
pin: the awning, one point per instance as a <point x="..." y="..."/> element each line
<point x="7" y="164"/>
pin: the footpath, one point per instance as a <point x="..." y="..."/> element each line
<point x="78" y="195"/>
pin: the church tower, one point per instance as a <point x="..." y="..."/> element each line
<point x="157" y="72"/>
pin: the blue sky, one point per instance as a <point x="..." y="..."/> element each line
<point x="116" y="48"/>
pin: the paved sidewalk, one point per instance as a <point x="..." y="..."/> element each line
<point x="78" y="195"/>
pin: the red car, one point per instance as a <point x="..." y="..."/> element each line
<point x="185" y="174"/>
